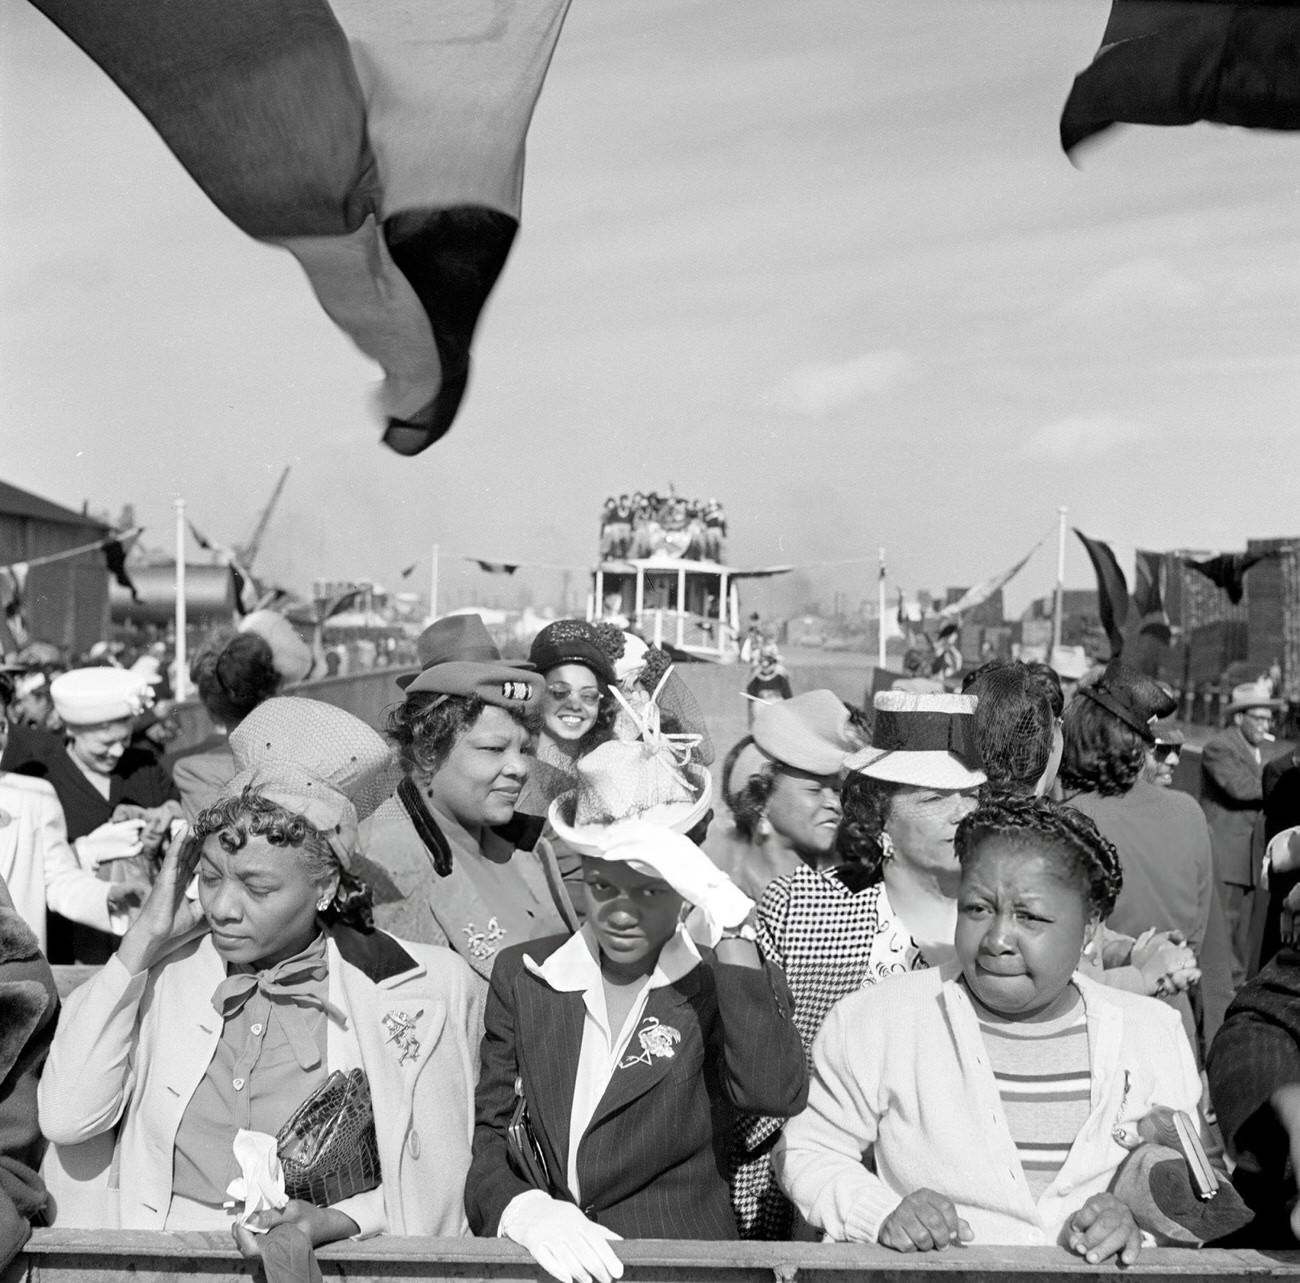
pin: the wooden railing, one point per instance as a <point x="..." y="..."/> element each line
<point x="127" y="1256"/>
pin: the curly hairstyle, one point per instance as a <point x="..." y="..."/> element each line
<point x="425" y="726"/>
<point x="1039" y="826"/>
<point x="1102" y="754"/>
<point x="234" y="673"/>
<point x="252" y="815"/>
<point x="747" y="801"/>
<point x="865" y="804"/>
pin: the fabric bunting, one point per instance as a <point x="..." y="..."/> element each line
<point x="1228" y="570"/>
<point x="982" y="591"/>
<point x="380" y="142"/>
<point x="1112" y="591"/>
<point x="1149" y="597"/>
<point x="1172" y="62"/>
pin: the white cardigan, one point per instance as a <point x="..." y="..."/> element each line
<point x="38" y="864"/>
<point x="901" y="1068"/>
<point x="130" y="1050"/>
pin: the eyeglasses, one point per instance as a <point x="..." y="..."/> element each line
<point x="588" y="697"/>
<point x="1264" y="718"/>
<point x="1164" y="752"/>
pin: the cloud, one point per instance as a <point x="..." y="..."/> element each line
<point x="1082" y="435"/>
<point x="1136" y="288"/>
<point x="819" y="389"/>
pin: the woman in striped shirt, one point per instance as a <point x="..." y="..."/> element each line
<point x="989" y="1092"/>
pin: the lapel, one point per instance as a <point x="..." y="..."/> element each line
<point x="548" y="1041"/>
<point x="396" y="1025"/>
<point x="1244" y="750"/>
<point x="74" y="777"/>
<point x="652" y="1050"/>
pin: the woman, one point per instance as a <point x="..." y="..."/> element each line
<point x="117" y="802"/>
<point x="960" y="1150"/>
<point x="633" y="1043"/>
<point x="233" y="673"/>
<point x="1161" y="833"/>
<point x="40" y="868"/>
<point x="577" y="709"/>
<point x="450" y="861"/>
<point x="782" y="786"/>
<point x="279" y="943"/>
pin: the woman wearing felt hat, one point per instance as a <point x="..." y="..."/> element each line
<point x="117" y="801"/>
<point x="1161" y="833"/>
<point x="222" y="1015"/>
<point x="782" y="786"/>
<point x="450" y="861"/>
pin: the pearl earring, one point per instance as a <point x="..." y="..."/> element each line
<point x="886" y="846"/>
<point x="322" y="904"/>
<point x="764" y="828"/>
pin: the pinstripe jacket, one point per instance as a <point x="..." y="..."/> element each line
<point x="653" y="1162"/>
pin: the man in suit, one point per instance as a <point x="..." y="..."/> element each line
<point x="1232" y="794"/>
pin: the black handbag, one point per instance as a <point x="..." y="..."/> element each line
<point x="328" y="1148"/>
<point x="526" y="1155"/>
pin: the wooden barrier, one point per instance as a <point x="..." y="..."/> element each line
<point x="132" y="1256"/>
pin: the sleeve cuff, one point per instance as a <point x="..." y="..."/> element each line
<point x="517" y="1206"/>
<point x="868" y="1213"/>
<point x="367" y="1210"/>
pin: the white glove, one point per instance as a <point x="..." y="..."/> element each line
<point x="114" y="840"/>
<point x="718" y="903"/>
<point x="561" y="1239"/>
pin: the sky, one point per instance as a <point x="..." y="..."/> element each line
<point x="825" y="261"/>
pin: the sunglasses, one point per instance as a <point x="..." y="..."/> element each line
<point x="587" y="697"/>
<point x="1165" y="751"/>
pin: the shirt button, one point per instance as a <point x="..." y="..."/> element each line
<point x="1067" y="1188"/>
<point x="239" y="1084"/>
<point x="413" y="1143"/>
<point x="257" y="1029"/>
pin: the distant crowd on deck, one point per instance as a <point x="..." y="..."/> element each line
<point x="534" y="960"/>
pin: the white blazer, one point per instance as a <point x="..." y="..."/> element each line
<point x="131" y="1050"/>
<point x="39" y="865"/>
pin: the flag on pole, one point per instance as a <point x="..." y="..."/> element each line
<point x="13" y="584"/>
<point x="410" y="570"/>
<point x="380" y="142"/>
<point x="1172" y="62"/>
<point x="243" y="585"/>
<point x="982" y="591"/>
<point x="495" y="567"/>
<point x="1149" y="596"/>
<point x="1228" y="570"/>
<point x="1112" y="591"/>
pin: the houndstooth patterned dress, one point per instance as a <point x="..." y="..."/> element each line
<point x="830" y="937"/>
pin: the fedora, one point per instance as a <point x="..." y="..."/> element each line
<point x="1251" y="695"/>
<point x="810" y="732"/>
<point x="458" y="657"/>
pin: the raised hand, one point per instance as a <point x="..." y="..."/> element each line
<point x="167" y="914"/>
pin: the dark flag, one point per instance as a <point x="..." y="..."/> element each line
<point x="1228" y="570"/>
<point x="115" y="556"/>
<point x="1172" y="62"/>
<point x="380" y="142"/>
<point x="495" y="567"/>
<point x="1112" y="591"/>
<point x="410" y="570"/>
<point x="1149" y="597"/>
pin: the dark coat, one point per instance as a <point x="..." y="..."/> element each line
<point x="29" y="1005"/>
<point x="1232" y="793"/>
<point x="653" y="1162"/>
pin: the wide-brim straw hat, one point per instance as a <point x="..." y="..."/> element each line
<point x="620" y="781"/>
<point x="925" y="740"/>
<point x="1251" y="695"/>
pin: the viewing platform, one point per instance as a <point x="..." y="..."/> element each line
<point x="135" y="1256"/>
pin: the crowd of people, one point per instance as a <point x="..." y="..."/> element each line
<point x="641" y="525"/>
<point x="953" y="969"/>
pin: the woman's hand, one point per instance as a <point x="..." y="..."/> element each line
<point x="1104" y="1227"/>
<point x="167" y="914"/>
<point x="923" y="1222"/>
<point x="320" y="1224"/>
<point x="1166" y="962"/>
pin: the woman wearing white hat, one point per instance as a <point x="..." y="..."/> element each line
<point x="891" y="909"/>
<point x="224" y="1016"/>
<point x="98" y="779"/>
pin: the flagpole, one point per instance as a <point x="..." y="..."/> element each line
<point x="433" y="585"/>
<point x="182" y="660"/>
<point x="1058" y="613"/>
<point x="880" y="604"/>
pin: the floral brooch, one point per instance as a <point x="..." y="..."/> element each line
<point x="657" y="1041"/>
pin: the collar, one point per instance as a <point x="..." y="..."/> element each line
<point x="376" y="954"/>
<point x="575" y="966"/>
